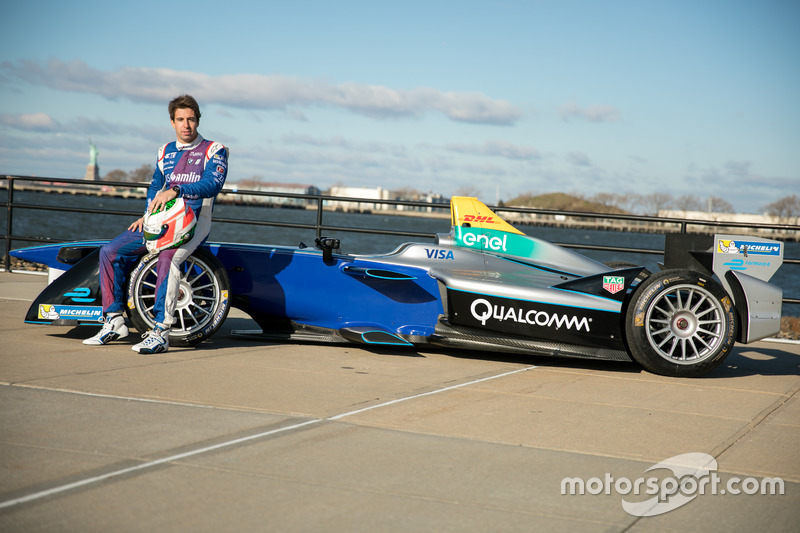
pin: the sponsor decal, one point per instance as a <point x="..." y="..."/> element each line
<point x="80" y="295"/>
<point x="433" y="253"/>
<point x="494" y="241"/>
<point x="613" y="284"/>
<point x="535" y="319"/>
<point x="741" y="264"/>
<point x="190" y="177"/>
<point x="727" y="304"/>
<point x="644" y="301"/>
<point x="56" y="312"/>
<point x="483" y="310"/>
<point x="496" y="244"/>
<point x="217" y="318"/>
<point x="480" y="219"/>
<point x="748" y="248"/>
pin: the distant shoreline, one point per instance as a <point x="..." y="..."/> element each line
<point x="588" y="221"/>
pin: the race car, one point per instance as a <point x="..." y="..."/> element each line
<point x="485" y="285"/>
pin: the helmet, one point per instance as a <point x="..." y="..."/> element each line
<point x="169" y="227"/>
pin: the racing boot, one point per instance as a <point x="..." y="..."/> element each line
<point x="155" y="341"/>
<point x="114" y="328"/>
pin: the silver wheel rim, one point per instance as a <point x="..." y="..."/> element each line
<point x="199" y="295"/>
<point x="685" y="324"/>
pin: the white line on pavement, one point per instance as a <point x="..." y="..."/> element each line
<point x="233" y="442"/>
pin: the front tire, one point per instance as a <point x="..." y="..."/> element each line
<point x="203" y="302"/>
<point x="680" y="323"/>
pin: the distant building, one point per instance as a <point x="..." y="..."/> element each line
<point x="728" y="217"/>
<point x="377" y="193"/>
<point x="423" y="197"/>
<point x="280" y="188"/>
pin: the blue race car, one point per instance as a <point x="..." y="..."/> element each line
<point x="485" y="285"/>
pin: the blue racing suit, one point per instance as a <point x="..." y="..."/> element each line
<point x="199" y="169"/>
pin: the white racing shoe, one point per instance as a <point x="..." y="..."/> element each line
<point x="155" y="341"/>
<point x="113" y="329"/>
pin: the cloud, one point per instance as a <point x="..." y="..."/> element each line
<point x="38" y="122"/>
<point x="255" y="91"/>
<point x="44" y="123"/>
<point x="340" y="142"/>
<point x="741" y="184"/>
<point x="592" y="113"/>
<point x="503" y="149"/>
<point x="579" y="159"/>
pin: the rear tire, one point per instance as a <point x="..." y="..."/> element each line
<point x="680" y="323"/>
<point x="203" y="302"/>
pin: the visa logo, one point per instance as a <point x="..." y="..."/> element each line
<point x="439" y="254"/>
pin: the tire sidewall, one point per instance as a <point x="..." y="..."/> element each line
<point x="636" y="328"/>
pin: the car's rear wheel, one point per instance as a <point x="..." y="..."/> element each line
<point x="680" y="323"/>
<point x="202" y="302"/>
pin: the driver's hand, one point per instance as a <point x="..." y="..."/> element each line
<point x="137" y="225"/>
<point x="161" y="199"/>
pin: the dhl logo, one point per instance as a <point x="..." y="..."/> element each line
<point x="480" y="220"/>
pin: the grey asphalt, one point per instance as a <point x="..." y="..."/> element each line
<point x="241" y="435"/>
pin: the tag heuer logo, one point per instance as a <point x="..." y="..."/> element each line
<point x="613" y="284"/>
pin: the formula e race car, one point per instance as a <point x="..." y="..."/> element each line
<point x="483" y="286"/>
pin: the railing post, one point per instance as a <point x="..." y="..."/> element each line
<point x="9" y="211"/>
<point x="319" y="217"/>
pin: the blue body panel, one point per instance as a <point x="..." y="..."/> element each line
<point x="275" y="284"/>
<point x="283" y="282"/>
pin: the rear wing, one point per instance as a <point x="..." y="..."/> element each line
<point x="744" y="266"/>
<point x="720" y="253"/>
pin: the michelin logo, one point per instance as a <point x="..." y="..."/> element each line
<point x="56" y="312"/>
<point x="744" y="247"/>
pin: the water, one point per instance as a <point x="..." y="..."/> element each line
<point x="64" y="226"/>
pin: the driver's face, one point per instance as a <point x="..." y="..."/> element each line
<point x="185" y="124"/>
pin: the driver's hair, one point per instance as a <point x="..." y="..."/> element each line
<point x="184" y="101"/>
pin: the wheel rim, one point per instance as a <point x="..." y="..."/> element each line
<point x="199" y="295"/>
<point x="685" y="324"/>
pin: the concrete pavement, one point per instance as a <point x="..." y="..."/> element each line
<point x="238" y="435"/>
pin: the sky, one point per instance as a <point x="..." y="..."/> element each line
<point x="500" y="98"/>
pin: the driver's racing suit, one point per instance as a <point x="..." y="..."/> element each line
<point x="199" y="169"/>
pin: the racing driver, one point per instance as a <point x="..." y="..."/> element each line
<point x="191" y="168"/>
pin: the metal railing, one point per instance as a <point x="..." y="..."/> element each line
<point x="319" y="202"/>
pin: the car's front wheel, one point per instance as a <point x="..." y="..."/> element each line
<point x="680" y="323"/>
<point x="202" y="304"/>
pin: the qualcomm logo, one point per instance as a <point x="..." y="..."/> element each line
<point x="497" y="244"/>
<point x="483" y="310"/>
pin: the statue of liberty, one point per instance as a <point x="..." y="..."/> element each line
<point x="92" y="153"/>
<point x="92" y="170"/>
